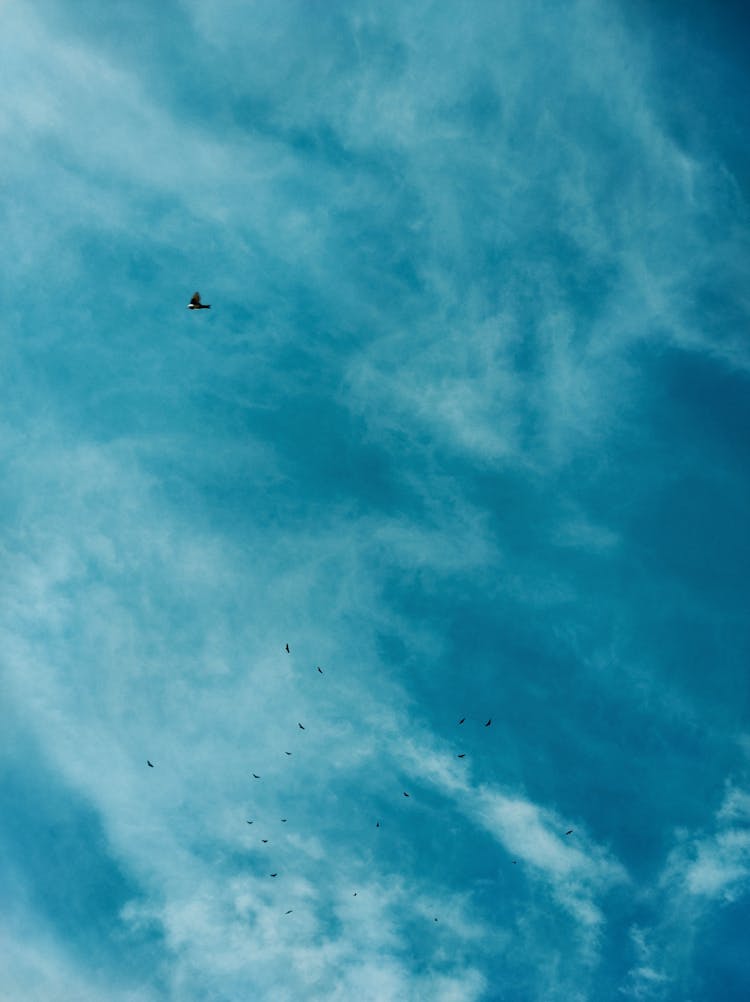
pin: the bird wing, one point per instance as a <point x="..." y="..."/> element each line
<point x="196" y="300"/>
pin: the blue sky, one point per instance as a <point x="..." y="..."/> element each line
<point x="466" y="426"/>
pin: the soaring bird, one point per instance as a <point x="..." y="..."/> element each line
<point x="255" y="776"/>
<point x="320" y="669"/>
<point x="461" y="756"/>
<point x="250" y="822"/>
<point x="150" y="763"/>
<point x="283" y="821"/>
<point x="488" y="722"/>
<point x="377" y="824"/>
<point x="462" y="720"/>
<point x="196" y="304"/>
<point x="287" y="649"/>
<point x="264" y="840"/>
<point x="301" y="726"/>
<point x="406" y="794"/>
<point x="274" y="874"/>
<point x="289" y="912"/>
<point x="570" y="832"/>
<point x="287" y="753"/>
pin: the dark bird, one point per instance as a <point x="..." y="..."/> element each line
<point x="301" y="727"/>
<point x="250" y="822"/>
<point x="264" y="840"/>
<point x="274" y="874"/>
<point x="436" y="920"/>
<point x="287" y="753"/>
<point x="462" y="720"/>
<point x="289" y="912"/>
<point x="570" y="832"/>
<point x="406" y="794"/>
<point x="283" y="821"/>
<point x="287" y="648"/>
<point x="488" y="722"/>
<point x="196" y="304"/>
<point x="255" y="777"/>
<point x="514" y="862"/>
<point x="320" y="669"/>
<point x="377" y="824"/>
<point x="461" y="756"/>
<point x="354" y="895"/>
<point x="150" y="763"/>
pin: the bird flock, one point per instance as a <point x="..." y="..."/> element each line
<point x="301" y="726"/>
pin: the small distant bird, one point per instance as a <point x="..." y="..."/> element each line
<point x="264" y="840"/>
<point x="436" y="920"/>
<point x="287" y="649"/>
<point x="488" y="722"/>
<point x="250" y="822"/>
<point x="514" y="862"/>
<point x="406" y="794"/>
<point x="287" y="753"/>
<point x="283" y="820"/>
<point x="461" y="756"/>
<point x="274" y="874"/>
<point x="377" y="824"/>
<point x="301" y="727"/>
<point x="354" y="895"/>
<point x="150" y="763"/>
<point x="462" y="720"/>
<point x="289" y="912"/>
<point x="255" y="776"/>
<point x="570" y="832"/>
<point x="320" y="669"/>
<point x="196" y="304"/>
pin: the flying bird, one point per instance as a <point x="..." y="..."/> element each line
<point x="196" y="304"/>
<point x="406" y="794"/>
<point x="377" y="824"/>
<point x="436" y="920"/>
<point x="150" y="763"/>
<point x="255" y="776"/>
<point x="461" y="756"/>
<point x="462" y="720"/>
<point x="289" y="912"/>
<point x="250" y="822"/>
<point x="287" y="649"/>
<point x="283" y="820"/>
<point x="287" y="753"/>
<point x="320" y="670"/>
<point x="488" y="722"/>
<point x="354" y="895"/>
<point x="264" y="840"/>
<point x="274" y="874"/>
<point x="301" y="726"/>
<point x="570" y="832"/>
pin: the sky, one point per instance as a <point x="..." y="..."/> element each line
<point x="466" y="426"/>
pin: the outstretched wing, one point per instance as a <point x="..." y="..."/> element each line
<point x="196" y="300"/>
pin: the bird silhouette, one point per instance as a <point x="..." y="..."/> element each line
<point x="149" y="763"/>
<point x="320" y="670"/>
<point x="462" y="720"/>
<point x="301" y="726"/>
<point x="255" y="776"/>
<point x="287" y="649"/>
<point x="354" y="895"/>
<point x="377" y="824"/>
<point x="406" y="794"/>
<point x="196" y="304"/>
<point x="274" y="874"/>
<point x="287" y="753"/>
<point x="461" y="756"/>
<point x="570" y="832"/>
<point x="488" y="722"/>
<point x="289" y="912"/>
<point x="264" y="840"/>
<point x="283" y="821"/>
<point x="250" y="822"/>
